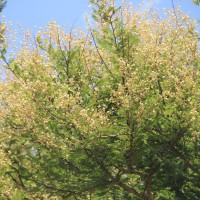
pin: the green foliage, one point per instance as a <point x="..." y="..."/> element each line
<point x="197" y="2"/>
<point x="113" y="114"/>
<point x="2" y="4"/>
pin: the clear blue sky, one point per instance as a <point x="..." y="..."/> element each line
<point x="38" y="12"/>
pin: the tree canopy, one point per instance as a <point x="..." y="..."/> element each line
<point x="109" y="113"/>
<point x="2" y="4"/>
<point x="197" y="2"/>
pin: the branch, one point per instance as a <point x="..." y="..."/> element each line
<point x="95" y="44"/>
<point x="129" y="189"/>
<point x="187" y="162"/>
<point x="8" y="67"/>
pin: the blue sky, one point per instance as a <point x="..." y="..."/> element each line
<point x="32" y="13"/>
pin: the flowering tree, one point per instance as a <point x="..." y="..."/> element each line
<point x="2" y="28"/>
<point x="112" y="112"/>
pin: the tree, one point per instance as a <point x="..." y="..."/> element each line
<point x="2" y="26"/>
<point x="111" y="113"/>
<point x="2" y="4"/>
<point x="197" y="2"/>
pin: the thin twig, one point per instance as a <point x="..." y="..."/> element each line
<point x="95" y="44"/>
